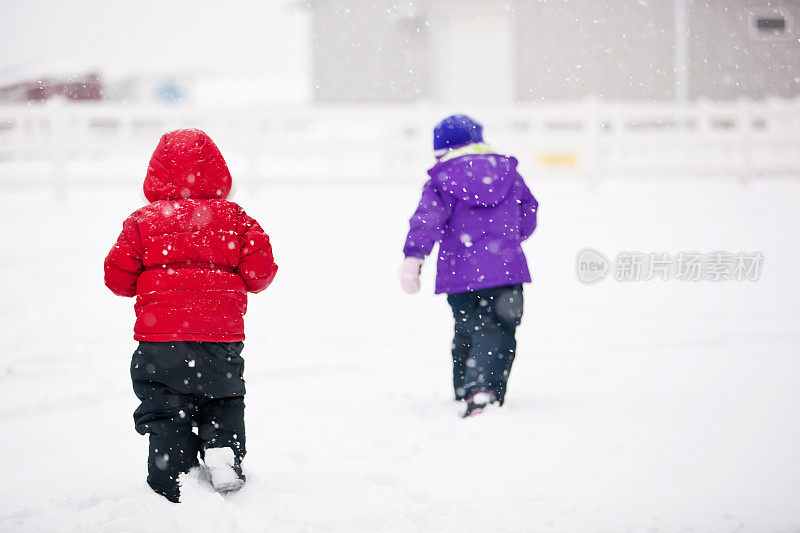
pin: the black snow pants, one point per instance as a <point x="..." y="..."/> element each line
<point x="484" y="345"/>
<point x="185" y="385"/>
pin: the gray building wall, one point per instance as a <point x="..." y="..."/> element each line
<point x="369" y="51"/>
<point x="615" y="49"/>
<point x="381" y="50"/>
<point x="728" y="58"/>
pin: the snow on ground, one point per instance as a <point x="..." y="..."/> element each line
<point x="645" y="406"/>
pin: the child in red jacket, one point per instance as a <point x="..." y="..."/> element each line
<point x="190" y="257"/>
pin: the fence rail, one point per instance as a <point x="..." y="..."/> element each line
<point x="57" y="144"/>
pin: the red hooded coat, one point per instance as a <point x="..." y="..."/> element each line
<point x="190" y="256"/>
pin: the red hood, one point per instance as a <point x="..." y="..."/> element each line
<point x="186" y="164"/>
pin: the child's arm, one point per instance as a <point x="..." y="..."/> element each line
<point x="256" y="265"/>
<point x="123" y="263"/>
<point x="427" y="223"/>
<point x="528" y="207"/>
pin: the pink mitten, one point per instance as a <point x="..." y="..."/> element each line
<point x="409" y="274"/>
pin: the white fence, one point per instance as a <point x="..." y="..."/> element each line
<point x="61" y="144"/>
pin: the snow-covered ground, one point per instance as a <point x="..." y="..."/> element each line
<point x="649" y="406"/>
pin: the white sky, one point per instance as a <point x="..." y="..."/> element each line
<point x="265" y="39"/>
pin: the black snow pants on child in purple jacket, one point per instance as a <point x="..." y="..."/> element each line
<point x="484" y="345"/>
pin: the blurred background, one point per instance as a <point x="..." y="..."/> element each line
<point x="583" y="87"/>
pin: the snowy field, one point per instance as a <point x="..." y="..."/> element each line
<point x="649" y="406"/>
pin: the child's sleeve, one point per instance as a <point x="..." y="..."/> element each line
<point x="528" y="207"/>
<point x="427" y="223"/>
<point x="256" y="265"/>
<point x="123" y="263"/>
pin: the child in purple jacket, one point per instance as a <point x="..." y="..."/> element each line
<point x="477" y="206"/>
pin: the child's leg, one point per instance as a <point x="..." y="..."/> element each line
<point x="462" y="341"/>
<point x="166" y="416"/>
<point x="508" y="308"/>
<point x="221" y="425"/>
<point x="508" y="347"/>
<point x="220" y="396"/>
<point x="166" y="413"/>
<point x="223" y="442"/>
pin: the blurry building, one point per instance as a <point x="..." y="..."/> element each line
<point x="499" y="51"/>
<point x="79" y="87"/>
<point x="148" y="87"/>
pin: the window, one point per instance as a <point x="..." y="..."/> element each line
<point x="770" y="25"/>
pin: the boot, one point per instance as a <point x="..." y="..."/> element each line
<point x="224" y="469"/>
<point x="477" y="401"/>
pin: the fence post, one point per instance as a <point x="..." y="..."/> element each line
<point x="591" y="136"/>
<point x="744" y="136"/>
<point x="60" y="138"/>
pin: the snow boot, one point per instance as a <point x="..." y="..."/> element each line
<point x="171" y="492"/>
<point x="477" y="401"/>
<point x="224" y="469"/>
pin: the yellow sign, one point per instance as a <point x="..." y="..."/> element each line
<point x="558" y="159"/>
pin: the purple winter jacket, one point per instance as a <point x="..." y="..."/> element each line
<point x="480" y="209"/>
